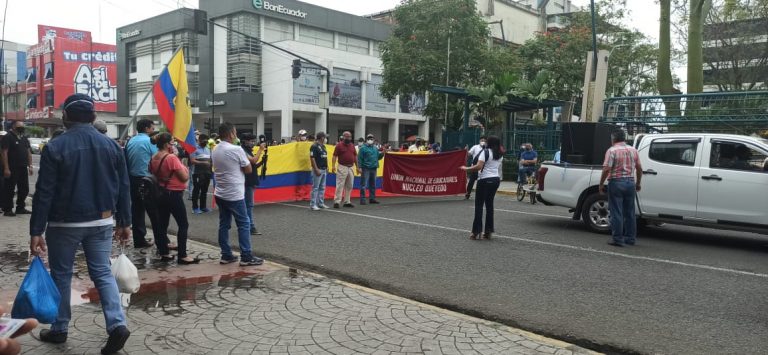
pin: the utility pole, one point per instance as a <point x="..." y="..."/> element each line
<point x="594" y="41"/>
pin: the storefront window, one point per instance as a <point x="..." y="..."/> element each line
<point x="373" y="99"/>
<point x="49" y="70"/>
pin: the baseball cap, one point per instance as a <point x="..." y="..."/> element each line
<point x="79" y="103"/>
<point x="100" y="126"/>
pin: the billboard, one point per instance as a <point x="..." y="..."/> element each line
<point x="85" y="68"/>
<point x="346" y="88"/>
<point x="307" y="88"/>
<point x="45" y="32"/>
<point x="373" y="99"/>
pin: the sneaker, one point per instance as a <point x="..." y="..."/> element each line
<point x="9" y="214"/>
<point x="48" y="336"/>
<point x="116" y="340"/>
<point x="349" y="205"/>
<point x="225" y="261"/>
<point x="335" y="205"/>
<point x="323" y="206"/>
<point x="362" y="202"/>
<point x="615" y="244"/>
<point x="255" y="231"/>
<point x="23" y="211"/>
<point x="315" y="208"/>
<point x="374" y="202"/>
<point x="205" y="210"/>
<point x="254" y="261"/>
<point x="197" y="211"/>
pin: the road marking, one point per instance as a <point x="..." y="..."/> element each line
<point x="532" y="213"/>
<point x="552" y="244"/>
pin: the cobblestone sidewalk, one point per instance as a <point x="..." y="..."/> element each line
<point x="225" y="309"/>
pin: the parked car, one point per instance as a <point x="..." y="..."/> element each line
<point x="37" y="144"/>
<point x="707" y="180"/>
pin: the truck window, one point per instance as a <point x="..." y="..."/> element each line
<point x="679" y="153"/>
<point x="737" y="156"/>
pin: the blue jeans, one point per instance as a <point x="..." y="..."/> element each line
<point x="317" y="198"/>
<point x="368" y="181"/>
<point x="621" y="202"/>
<point x="249" y="205"/>
<point x="524" y="173"/>
<point x="227" y="210"/>
<point x="97" y="245"/>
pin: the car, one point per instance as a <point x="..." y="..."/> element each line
<point x="36" y="144"/>
<point x="705" y="180"/>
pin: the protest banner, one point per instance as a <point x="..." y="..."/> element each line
<point x="425" y="174"/>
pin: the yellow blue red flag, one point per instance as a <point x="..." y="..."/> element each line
<point x="171" y="93"/>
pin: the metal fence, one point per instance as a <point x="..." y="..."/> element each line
<point x="722" y="112"/>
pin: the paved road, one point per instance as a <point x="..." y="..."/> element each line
<point x="681" y="290"/>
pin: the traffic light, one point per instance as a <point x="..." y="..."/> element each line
<point x="296" y="68"/>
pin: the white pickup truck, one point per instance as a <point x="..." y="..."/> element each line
<point x="706" y="180"/>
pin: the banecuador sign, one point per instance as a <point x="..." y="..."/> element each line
<point x="270" y="6"/>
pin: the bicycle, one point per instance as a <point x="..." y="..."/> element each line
<point x="528" y="188"/>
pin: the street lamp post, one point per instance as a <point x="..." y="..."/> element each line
<point x="594" y="41"/>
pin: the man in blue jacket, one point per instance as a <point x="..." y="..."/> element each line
<point x="82" y="192"/>
<point x="368" y="163"/>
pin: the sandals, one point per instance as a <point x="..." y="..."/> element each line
<point x="473" y="236"/>
<point x="487" y="235"/>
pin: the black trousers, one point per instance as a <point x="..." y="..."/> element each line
<point x="172" y="204"/>
<point x="138" y="209"/>
<point x="17" y="184"/>
<point x="200" y="183"/>
<point x="486" y="192"/>
<point x="471" y="182"/>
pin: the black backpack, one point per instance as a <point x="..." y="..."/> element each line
<point x="150" y="189"/>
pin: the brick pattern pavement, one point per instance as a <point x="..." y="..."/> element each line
<point x="215" y="309"/>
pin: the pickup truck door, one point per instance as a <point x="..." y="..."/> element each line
<point x="733" y="186"/>
<point x="670" y="176"/>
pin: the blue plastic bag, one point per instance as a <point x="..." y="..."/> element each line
<point x="38" y="296"/>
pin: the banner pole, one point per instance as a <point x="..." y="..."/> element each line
<point x="146" y="96"/>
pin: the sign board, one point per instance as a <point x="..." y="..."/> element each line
<point x="346" y="88"/>
<point x="373" y="99"/>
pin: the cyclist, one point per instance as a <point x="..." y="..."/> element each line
<point x="528" y="160"/>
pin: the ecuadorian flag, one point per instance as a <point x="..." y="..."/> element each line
<point x="171" y="95"/>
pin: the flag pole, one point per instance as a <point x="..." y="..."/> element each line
<point x="144" y="100"/>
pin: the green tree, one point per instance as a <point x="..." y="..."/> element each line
<point x="664" y="73"/>
<point x="416" y="55"/>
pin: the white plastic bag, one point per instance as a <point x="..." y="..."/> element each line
<point x="126" y="274"/>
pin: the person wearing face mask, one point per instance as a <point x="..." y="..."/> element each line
<point x="346" y="154"/>
<point x="318" y="158"/>
<point x="367" y="165"/>
<point x="528" y="160"/>
<point x="472" y="156"/>
<point x="17" y="168"/>
<point x="252" y="180"/>
<point x="302" y="136"/>
<point x="172" y="175"/>
<point x="82" y="198"/>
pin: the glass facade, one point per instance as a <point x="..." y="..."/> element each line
<point x="276" y="30"/>
<point x="243" y="54"/>
<point x="316" y="36"/>
<point x="353" y="44"/>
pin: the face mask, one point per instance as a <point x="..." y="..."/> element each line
<point x="20" y="130"/>
<point x="347" y="141"/>
<point x="370" y="141"/>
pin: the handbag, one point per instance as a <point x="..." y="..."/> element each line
<point x="151" y="190"/>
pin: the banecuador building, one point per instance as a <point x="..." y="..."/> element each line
<point x="236" y="79"/>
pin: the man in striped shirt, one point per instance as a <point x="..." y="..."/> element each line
<point x="620" y="167"/>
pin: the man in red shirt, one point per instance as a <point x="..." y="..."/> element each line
<point x="346" y="154"/>
<point x="620" y="167"/>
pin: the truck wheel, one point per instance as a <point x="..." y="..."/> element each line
<point x="596" y="214"/>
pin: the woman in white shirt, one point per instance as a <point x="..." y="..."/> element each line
<point x="488" y="167"/>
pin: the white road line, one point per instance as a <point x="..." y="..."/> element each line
<point x="532" y="213"/>
<point x="558" y="245"/>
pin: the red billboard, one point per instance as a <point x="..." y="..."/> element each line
<point x="86" y="68"/>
